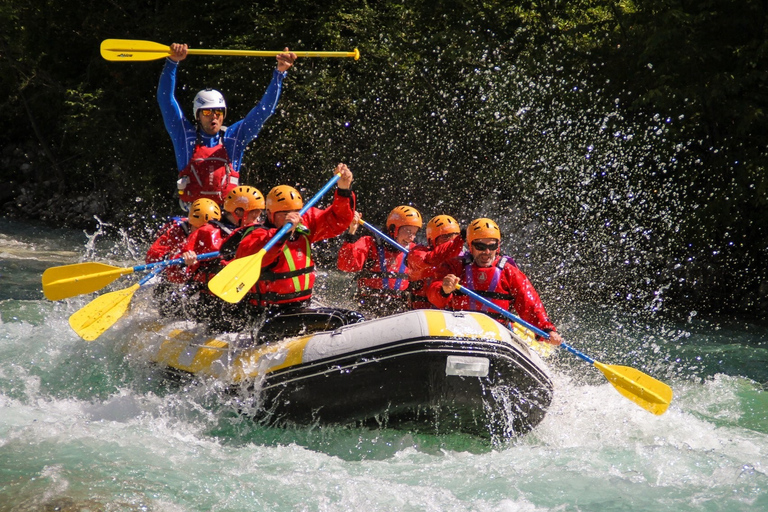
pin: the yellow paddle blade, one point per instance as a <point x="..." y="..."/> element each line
<point x="233" y="281"/>
<point x="130" y="49"/>
<point x="650" y="394"/>
<point x="137" y="50"/>
<point x="101" y="313"/>
<point x="72" y="280"/>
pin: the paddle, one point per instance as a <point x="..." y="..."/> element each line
<point x="90" y="321"/>
<point x="386" y="238"/>
<point x="137" y="50"/>
<point x="79" y="278"/>
<point x="650" y="394"/>
<point x="239" y="275"/>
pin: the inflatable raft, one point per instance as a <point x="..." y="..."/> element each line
<point x="427" y="370"/>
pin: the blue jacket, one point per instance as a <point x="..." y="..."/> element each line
<point x="236" y="137"/>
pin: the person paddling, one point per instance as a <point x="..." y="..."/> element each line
<point x="382" y="269"/>
<point x="288" y="268"/>
<point x="208" y="154"/>
<point x="387" y="278"/>
<point x="243" y="206"/>
<point x="444" y="242"/>
<point x="185" y="238"/>
<point x="493" y="277"/>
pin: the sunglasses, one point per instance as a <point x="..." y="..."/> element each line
<point x="480" y="246"/>
<point x="211" y="111"/>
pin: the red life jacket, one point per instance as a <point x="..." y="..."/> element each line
<point x="290" y="277"/>
<point x="208" y="174"/>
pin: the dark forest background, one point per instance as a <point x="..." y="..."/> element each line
<point x="620" y="144"/>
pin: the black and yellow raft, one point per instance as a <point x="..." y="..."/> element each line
<point x="428" y="371"/>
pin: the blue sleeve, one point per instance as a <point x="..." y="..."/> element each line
<point x="178" y="127"/>
<point x="240" y="134"/>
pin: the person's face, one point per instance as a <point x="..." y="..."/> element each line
<point x="252" y="217"/>
<point x="484" y="251"/>
<point x="406" y="235"/>
<point x="444" y="238"/>
<point x="278" y="218"/>
<point x="211" y="119"/>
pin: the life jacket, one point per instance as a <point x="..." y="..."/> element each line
<point x="290" y="277"/>
<point x="379" y="280"/>
<point x="208" y="174"/>
<point x="503" y="300"/>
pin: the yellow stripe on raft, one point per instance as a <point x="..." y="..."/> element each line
<point x="275" y="357"/>
<point x="487" y="328"/>
<point x="172" y="350"/>
<point x="438" y="327"/>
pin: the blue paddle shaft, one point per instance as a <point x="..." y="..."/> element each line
<point x="385" y="237"/>
<point x="522" y="322"/>
<point x="177" y="261"/>
<point x="287" y="227"/>
<point x="149" y="276"/>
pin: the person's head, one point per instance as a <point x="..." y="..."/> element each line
<point x="202" y="211"/>
<point x="483" y="238"/>
<point x="442" y="228"/>
<point x="210" y="109"/>
<point x="403" y="223"/>
<point x="245" y="205"/>
<point x="281" y="201"/>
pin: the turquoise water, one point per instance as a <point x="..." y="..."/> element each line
<point x="85" y="427"/>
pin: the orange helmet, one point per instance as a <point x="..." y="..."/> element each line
<point x="441" y="225"/>
<point x="283" y="198"/>
<point x="203" y="210"/>
<point x="482" y="228"/>
<point x="247" y="198"/>
<point x="403" y="216"/>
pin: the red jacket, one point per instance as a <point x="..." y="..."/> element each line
<point x="423" y="263"/>
<point x="169" y="245"/>
<point x="507" y="287"/>
<point x="279" y="283"/>
<point x="203" y="240"/>
<point x="365" y="256"/>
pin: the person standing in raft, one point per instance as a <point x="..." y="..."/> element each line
<point x="491" y="276"/>
<point x="200" y="233"/>
<point x="208" y="154"/>
<point x="288" y="269"/>
<point x="444" y="243"/>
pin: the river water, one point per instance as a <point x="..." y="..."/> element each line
<point x="85" y="427"/>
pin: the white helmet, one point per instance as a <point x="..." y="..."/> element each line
<point x="209" y="98"/>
